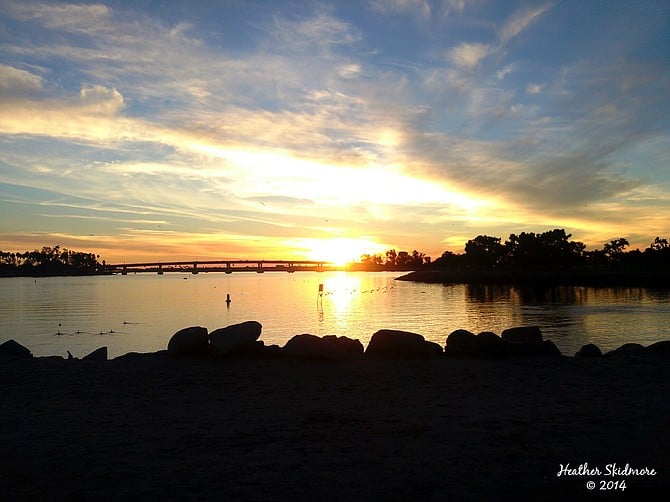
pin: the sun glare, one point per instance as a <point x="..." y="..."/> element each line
<point x="339" y="250"/>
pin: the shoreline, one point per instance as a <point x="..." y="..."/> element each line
<point x="542" y="278"/>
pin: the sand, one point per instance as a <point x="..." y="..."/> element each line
<point x="441" y="429"/>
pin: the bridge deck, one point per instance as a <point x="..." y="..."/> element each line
<point x="227" y="266"/>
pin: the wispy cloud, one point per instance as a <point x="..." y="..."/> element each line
<point x="520" y="21"/>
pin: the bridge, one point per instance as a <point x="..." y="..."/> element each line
<point x="227" y="266"/>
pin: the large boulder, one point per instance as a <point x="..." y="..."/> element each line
<point x="461" y="343"/>
<point x="589" y="351"/>
<point x="396" y="343"/>
<point x="549" y="349"/>
<point x="189" y="342"/>
<point x="97" y="355"/>
<point x="236" y="339"/>
<point x="491" y="345"/>
<point x="11" y="349"/>
<point x="433" y="348"/>
<point x="329" y="347"/>
<point x="523" y="334"/>
<point x="659" y="348"/>
<point x="527" y="341"/>
<point x="626" y="351"/>
<point x="351" y="346"/>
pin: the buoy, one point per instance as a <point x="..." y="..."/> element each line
<point x="228" y="299"/>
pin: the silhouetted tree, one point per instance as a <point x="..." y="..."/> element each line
<point x="49" y="261"/>
<point x="614" y="249"/>
<point x="484" y="252"/>
<point x="391" y="258"/>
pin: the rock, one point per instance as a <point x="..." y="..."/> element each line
<point x="433" y="347"/>
<point x="527" y="341"/>
<point x="143" y="356"/>
<point x="11" y="349"/>
<point x="626" y="351"/>
<point x="395" y="343"/>
<point x="97" y="355"/>
<point x="491" y="345"/>
<point x="522" y="334"/>
<point x="273" y="351"/>
<point x="549" y="349"/>
<point x="253" y="349"/>
<point x="659" y="348"/>
<point x="461" y="342"/>
<point x="351" y="346"/>
<point x="328" y="347"/>
<point x="187" y="342"/>
<point x="589" y="350"/>
<point x="236" y="339"/>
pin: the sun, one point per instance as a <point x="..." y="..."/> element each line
<point x="340" y="250"/>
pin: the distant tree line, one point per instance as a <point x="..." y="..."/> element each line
<point x="394" y="260"/>
<point x="49" y="261"/>
<point x="551" y="251"/>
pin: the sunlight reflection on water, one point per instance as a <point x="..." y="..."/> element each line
<point x="140" y="312"/>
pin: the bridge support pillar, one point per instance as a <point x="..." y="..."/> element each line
<point x="229" y="268"/>
<point x="195" y="268"/>
<point x="260" y="267"/>
<point x="124" y="270"/>
<point x="160" y="269"/>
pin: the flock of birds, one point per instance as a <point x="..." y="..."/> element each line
<point x="80" y="332"/>
<point x="381" y="289"/>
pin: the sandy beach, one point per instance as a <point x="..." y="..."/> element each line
<point x="152" y="427"/>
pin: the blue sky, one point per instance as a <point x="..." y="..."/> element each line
<point x="143" y="130"/>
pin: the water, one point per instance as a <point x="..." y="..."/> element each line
<point x="139" y="313"/>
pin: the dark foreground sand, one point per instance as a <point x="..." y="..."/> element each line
<point x="441" y="429"/>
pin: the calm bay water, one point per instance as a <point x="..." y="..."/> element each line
<point x="141" y="312"/>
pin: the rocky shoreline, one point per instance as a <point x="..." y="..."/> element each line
<point x="242" y="341"/>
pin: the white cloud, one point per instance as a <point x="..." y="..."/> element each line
<point x="350" y="71"/>
<point x="17" y="81"/>
<point x="534" y="89"/>
<point x="420" y="8"/>
<point x="100" y="99"/>
<point x="469" y="55"/>
<point x="503" y="72"/>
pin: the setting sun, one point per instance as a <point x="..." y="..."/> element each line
<point x="339" y="250"/>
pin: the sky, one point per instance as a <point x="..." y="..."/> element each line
<point x="146" y="130"/>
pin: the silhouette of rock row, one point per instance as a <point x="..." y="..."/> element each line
<point x="589" y="350"/>
<point x="328" y="347"/>
<point x="491" y="345"/>
<point x="97" y="355"/>
<point x="187" y="342"/>
<point x="396" y="343"/>
<point x="11" y="349"/>
<point x="659" y="348"/>
<point x="627" y="351"/>
<point x="461" y="343"/>
<point x="523" y="334"/>
<point x="236" y="339"/>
